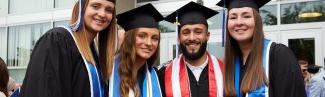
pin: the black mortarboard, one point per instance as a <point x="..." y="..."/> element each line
<point x="143" y="16"/>
<point x="191" y="13"/>
<point x="312" y="68"/>
<point x="256" y="4"/>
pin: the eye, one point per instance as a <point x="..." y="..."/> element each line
<point x="247" y="16"/>
<point x="109" y="10"/>
<point x="232" y="17"/>
<point x="141" y="35"/>
<point x="95" y="6"/>
<point x="155" y="38"/>
<point x="185" y="32"/>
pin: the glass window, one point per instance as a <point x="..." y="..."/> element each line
<point x="3" y="44"/>
<point x="215" y="22"/>
<point x="166" y="27"/>
<point x="303" y="12"/>
<point x="21" y="40"/>
<point x="3" y="7"/>
<point x="64" y="3"/>
<point x="269" y="14"/>
<point x="61" y="23"/>
<point x="22" y="6"/>
<point x="303" y="48"/>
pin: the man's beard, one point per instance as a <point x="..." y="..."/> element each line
<point x="195" y="55"/>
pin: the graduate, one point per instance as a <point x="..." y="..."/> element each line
<point x="67" y="61"/>
<point x="195" y="72"/>
<point x="133" y="73"/>
<point x="255" y="66"/>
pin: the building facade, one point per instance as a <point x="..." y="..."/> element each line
<point x="299" y="24"/>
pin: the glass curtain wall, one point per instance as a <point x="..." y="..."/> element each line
<point x="3" y="44"/>
<point x="25" y="6"/>
<point x="21" y="41"/>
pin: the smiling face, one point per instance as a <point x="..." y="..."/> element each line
<point x="193" y="40"/>
<point x="241" y="24"/>
<point x="146" y="42"/>
<point x="98" y="15"/>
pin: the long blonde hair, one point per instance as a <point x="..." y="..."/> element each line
<point x="128" y="58"/>
<point x="106" y="41"/>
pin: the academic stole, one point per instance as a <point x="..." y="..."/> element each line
<point x="96" y="88"/>
<point x="150" y="84"/>
<point x="177" y="81"/>
<point x="263" y="90"/>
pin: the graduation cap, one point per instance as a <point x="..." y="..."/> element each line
<point x="312" y="68"/>
<point x="191" y="13"/>
<point x="143" y="16"/>
<point x="256" y="4"/>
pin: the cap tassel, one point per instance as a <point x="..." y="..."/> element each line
<point x="177" y="42"/>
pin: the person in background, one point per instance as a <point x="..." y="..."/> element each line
<point x="195" y="72"/>
<point x="68" y="61"/>
<point x="255" y="66"/>
<point x="317" y="82"/>
<point x="4" y="78"/>
<point x="133" y="73"/>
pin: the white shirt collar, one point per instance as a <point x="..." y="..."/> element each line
<point x="197" y="70"/>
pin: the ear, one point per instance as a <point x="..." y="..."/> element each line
<point x="208" y="35"/>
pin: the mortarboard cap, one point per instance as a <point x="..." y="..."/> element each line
<point x="191" y="13"/>
<point x="312" y="68"/>
<point x="143" y="16"/>
<point x="256" y="4"/>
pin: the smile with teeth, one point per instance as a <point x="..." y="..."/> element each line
<point x="240" y="30"/>
<point x="99" y="21"/>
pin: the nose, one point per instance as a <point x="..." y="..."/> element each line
<point x="192" y="35"/>
<point x="101" y="13"/>
<point x="149" y="41"/>
<point x="239" y="21"/>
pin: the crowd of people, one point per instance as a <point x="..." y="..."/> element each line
<point x="89" y="59"/>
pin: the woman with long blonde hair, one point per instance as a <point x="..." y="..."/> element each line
<point x="133" y="73"/>
<point x="68" y="61"/>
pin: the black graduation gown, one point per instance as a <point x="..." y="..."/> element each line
<point x="198" y="88"/>
<point x="56" y="68"/>
<point x="284" y="73"/>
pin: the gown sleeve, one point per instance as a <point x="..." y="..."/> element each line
<point x="285" y="76"/>
<point x="43" y="76"/>
<point x="161" y="77"/>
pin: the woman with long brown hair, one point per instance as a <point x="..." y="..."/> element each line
<point x="69" y="61"/>
<point x="255" y="66"/>
<point x="133" y="73"/>
<point x="4" y="78"/>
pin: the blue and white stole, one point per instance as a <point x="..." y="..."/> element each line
<point x="262" y="91"/>
<point x="96" y="88"/>
<point x="150" y="84"/>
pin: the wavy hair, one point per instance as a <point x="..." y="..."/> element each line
<point x="128" y="58"/>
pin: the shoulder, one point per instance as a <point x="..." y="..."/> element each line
<point x="2" y="94"/>
<point x="282" y="58"/>
<point x="57" y="33"/>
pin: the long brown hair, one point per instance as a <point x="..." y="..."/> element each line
<point x="4" y="77"/>
<point x="255" y="76"/>
<point x="128" y="58"/>
<point x="106" y="41"/>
